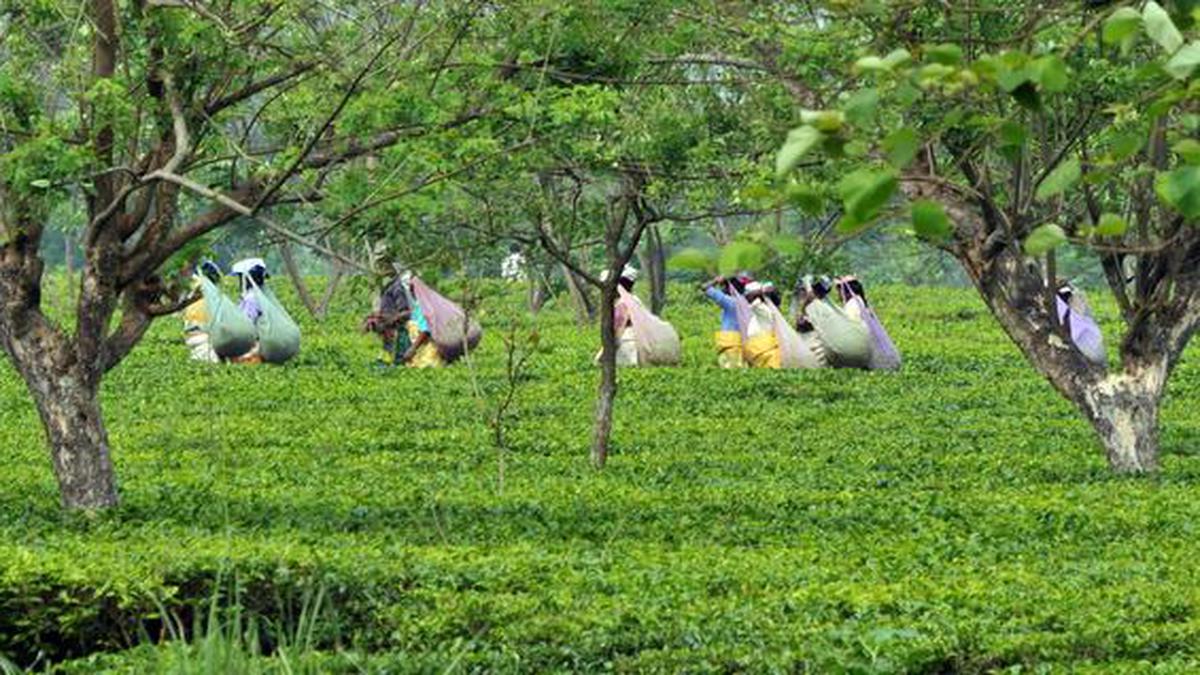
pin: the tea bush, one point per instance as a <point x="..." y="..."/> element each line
<point x="954" y="517"/>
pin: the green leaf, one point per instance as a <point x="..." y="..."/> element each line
<point x="799" y="142"/>
<point x="829" y="121"/>
<point x="1161" y="28"/>
<point x="1184" y="62"/>
<point x="869" y="64"/>
<point x="1060" y="179"/>
<point x="805" y="197"/>
<point x="786" y="244"/>
<point x="1051" y="73"/>
<point x="1111" y="225"/>
<point x="1044" y="239"/>
<point x="864" y="192"/>
<point x="1181" y="190"/>
<point x="1188" y="149"/>
<point x="930" y="221"/>
<point x="1127" y="145"/>
<point x="1121" y="26"/>
<point x="945" y="54"/>
<point x="901" y="146"/>
<point x="860" y="107"/>
<point x="40" y="183"/>
<point x="896" y="58"/>
<point x="741" y="255"/>
<point x="693" y="259"/>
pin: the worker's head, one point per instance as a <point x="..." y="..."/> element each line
<point x="850" y="286"/>
<point x="251" y="272"/>
<point x="626" y="280"/>
<point x="211" y="271"/>
<point x="754" y="291"/>
<point x="772" y="293"/>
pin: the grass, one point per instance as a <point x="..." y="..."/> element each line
<point x="954" y="517"/>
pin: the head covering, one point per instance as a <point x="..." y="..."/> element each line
<point x="243" y="267"/>
<point x="754" y="287"/>
<point x="629" y="274"/>
<point x="210" y="270"/>
<point x="768" y="286"/>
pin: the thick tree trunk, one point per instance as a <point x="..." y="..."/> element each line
<point x="66" y="396"/>
<point x="78" y="444"/>
<point x="607" y="393"/>
<point x="1123" y="409"/>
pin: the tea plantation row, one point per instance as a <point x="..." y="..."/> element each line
<point x="955" y="516"/>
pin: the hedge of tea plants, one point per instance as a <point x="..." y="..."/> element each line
<point x="954" y="517"/>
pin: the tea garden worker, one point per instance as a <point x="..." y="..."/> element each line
<point x="836" y="339"/>
<point x="422" y="351"/>
<point x="762" y="345"/>
<point x="196" y="318"/>
<point x="250" y="272"/>
<point x="391" y="314"/>
<point x="728" y="340"/>
<point x="627" y="351"/>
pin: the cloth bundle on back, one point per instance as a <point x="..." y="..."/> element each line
<point x="448" y="324"/>
<point x="1073" y="309"/>
<point x="838" y="340"/>
<point x="278" y="334"/>
<point x="795" y="349"/>
<point x="230" y="333"/>
<point x="657" y="342"/>
<point x="884" y="355"/>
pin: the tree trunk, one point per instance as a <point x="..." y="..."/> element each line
<point x="1123" y="409"/>
<point x="293" y="272"/>
<point x="654" y="262"/>
<point x="584" y="311"/>
<point x="336" y="272"/>
<point x="78" y="446"/>
<point x="607" y="393"/>
<point x="66" y="397"/>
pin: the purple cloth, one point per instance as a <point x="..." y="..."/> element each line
<point x="1084" y="333"/>
<point x="249" y="307"/>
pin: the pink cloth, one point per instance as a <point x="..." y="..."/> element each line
<point x="448" y="325"/>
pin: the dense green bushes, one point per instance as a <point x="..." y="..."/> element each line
<point x="953" y="517"/>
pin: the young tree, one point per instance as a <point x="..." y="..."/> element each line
<point x="169" y="120"/>
<point x="1013" y="130"/>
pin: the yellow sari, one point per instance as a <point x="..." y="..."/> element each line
<point x="427" y="355"/>
<point x="762" y="351"/>
<point x="729" y="349"/>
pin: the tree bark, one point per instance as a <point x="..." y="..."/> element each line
<point x="79" y="450"/>
<point x="336" y="272"/>
<point x="293" y="272"/>
<point x="1123" y="409"/>
<point x="584" y="310"/>
<point x="607" y="392"/>
<point x="65" y="393"/>
<point x="654" y="262"/>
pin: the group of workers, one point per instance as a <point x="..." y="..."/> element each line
<point x="421" y="329"/>
<point x="255" y="330"/>
<point x="820" y="334"/>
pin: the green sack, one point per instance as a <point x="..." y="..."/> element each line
<point x="278" y="334"/>
<point x="230" y="333"/>
<point x="846" y="341"/>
